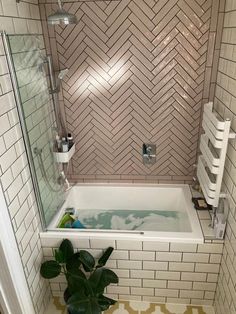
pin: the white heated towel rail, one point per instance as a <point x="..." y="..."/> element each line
<point x="213" y="147"/>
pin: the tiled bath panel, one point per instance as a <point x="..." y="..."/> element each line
<point x="153" y="271"/>
<point x="139" y="72"/>
<point x="134" y="307"/>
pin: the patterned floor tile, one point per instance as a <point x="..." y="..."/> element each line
<point x="133" y="307"/>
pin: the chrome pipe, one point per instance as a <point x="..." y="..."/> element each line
<point x="23" y="125"/>
<point x="51" y="75"/>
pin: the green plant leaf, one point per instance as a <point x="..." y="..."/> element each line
<point x="101" y="278"/>
<point x="104" y="258"/>
<point x="105" y="302"/>
<point x="73" y="264"/>
<point x="79" y="304"/>
<point x="50" y="269"/>
<point x="58" y="256"/>
<point x="67" y="250"/>
<point x="87" y="260"/>
<point x="76" y="284"/>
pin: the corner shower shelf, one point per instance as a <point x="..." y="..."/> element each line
<point x="64" y="157"/>
<point x="213" y="147"/>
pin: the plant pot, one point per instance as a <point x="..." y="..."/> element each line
<point x="66" y="298"/>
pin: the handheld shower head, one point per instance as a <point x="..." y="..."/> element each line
<point x="62" y="73"/>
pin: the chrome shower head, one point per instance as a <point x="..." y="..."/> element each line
<point x="62" y="73"/>
<point x="61" y="17"/>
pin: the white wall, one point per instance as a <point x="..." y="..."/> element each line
<point x="14" y="171"/>
<point x="225" y="103"/>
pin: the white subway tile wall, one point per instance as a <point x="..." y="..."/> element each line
<point x="14" y="171"/>
<point x="225" y="104"/>
<point x="147" y="271"/>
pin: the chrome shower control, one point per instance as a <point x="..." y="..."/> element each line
<point x="149" y="154"/>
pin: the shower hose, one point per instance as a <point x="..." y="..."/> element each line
<point x="38" y="153"/>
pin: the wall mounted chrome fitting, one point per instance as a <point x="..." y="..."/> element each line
<point x="149" y="154"/>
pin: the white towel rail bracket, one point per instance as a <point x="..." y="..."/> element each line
<point x="213" y="147"/>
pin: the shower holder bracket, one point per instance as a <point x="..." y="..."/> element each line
<point x="61" y="157"/>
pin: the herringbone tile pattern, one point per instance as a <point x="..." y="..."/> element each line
<point x="136" y="76"/>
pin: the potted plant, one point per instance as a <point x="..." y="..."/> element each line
<point x="86" y="278"/>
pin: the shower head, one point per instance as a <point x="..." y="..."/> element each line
<point x="62" y="73"/>
<point x="61" y="17"/>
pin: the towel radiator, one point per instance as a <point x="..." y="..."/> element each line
<point x="211" y="161"/>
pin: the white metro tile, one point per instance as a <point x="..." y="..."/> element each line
<point x="169" y="275"/>
<point x="2" y="146"/>
<point x="8" y="25"/>
<point x="193" y="276"/>
<point x="142" y="274"/>
<point x="130" y="282"/>
<point x="181" y="266"/>
<point x="129" y="245"/>
<point x="212" y="277"/>
<point x="142" y="256"/>
<point x="180" y="285"/>
<point x="24" y="10"/>
<point x="118" y="289"/>
<point x="142" y="291"/>
<point x="6" y="179"/>
<point x="12" y="136"/>
<point x="7" y="159"/>
<point x="7" y="102"/>
<point x="154" y="299"/>
<point x="5" y="83"/>
<point x="167" y="292"/>
<point x="204" y="286"/>
<point x="5" y="124"/>
<point x="168" y="256"/>
<point x="101" y="243"/>
<point x="147" y="283"/>
<point x="9" y="7"/>
<point x="210" y="248"/>
<point x="208" y="268"/>
<point x="122" y="273"/>
<point x="129" y="264"/>
<point x="3" y="66"/>
<point x="155" y="246"/>
<point x="191" y="294"/>
<point x="183" y="247"/>
<point x="20" y="26"/>
<point x="155" y="265"/>
<point x="195" y="257"/>
<point x="130" y="297"/>
<point x="118" y="254"/>
<point x="46" y="241"/>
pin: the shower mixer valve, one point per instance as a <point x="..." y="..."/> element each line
<point x="149" y="154"/>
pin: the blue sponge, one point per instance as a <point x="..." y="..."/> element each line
<point x="78" y="225"/>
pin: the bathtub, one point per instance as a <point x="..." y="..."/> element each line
<point x="169" y="200"/>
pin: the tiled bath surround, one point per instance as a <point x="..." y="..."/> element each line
<point x="154" y="271"/>
<point x="139" y="73"/>
<point x="225" y="104"/>
<point x="14" y="170"/>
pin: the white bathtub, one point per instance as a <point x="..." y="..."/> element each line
<point x="135" y="196"/>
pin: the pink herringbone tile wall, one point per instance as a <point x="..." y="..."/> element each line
<point x="139" y="72"/>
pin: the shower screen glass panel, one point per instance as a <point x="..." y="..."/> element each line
<point x="30" y="68"/>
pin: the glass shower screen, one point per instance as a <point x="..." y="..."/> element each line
<point x="28" y="56"/>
